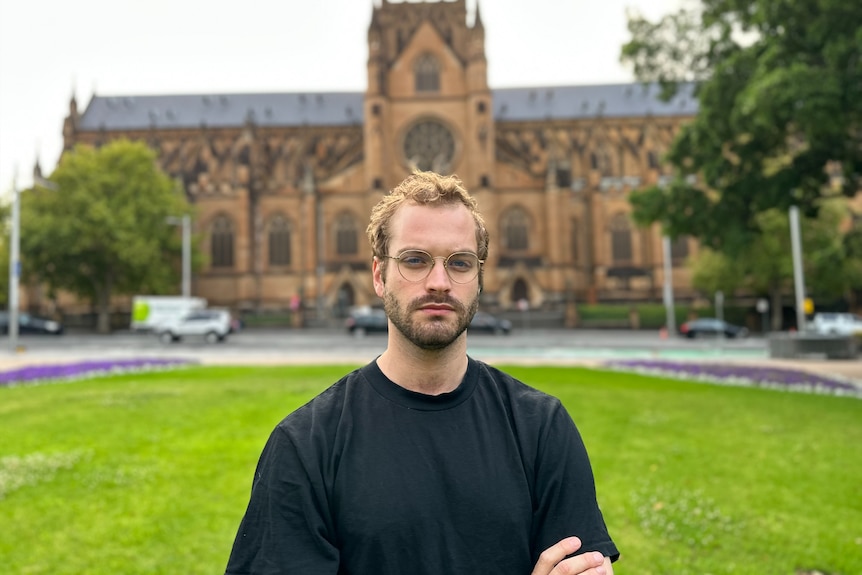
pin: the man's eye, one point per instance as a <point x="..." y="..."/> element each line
<point x="461" y="264"/>
<point x="414" y="260"/>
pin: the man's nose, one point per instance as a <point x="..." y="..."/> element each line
<point x="438" y="279"/>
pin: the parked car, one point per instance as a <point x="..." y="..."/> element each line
<point x="711" y="327"/>
<point x="365" y="320"/>
<point x="485" y="322"/>
<point x="213" y="325"/>
<point x="836" y="323"/>
<point x="31" y="324"/>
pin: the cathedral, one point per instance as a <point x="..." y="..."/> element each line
<point x="283" y="183"/>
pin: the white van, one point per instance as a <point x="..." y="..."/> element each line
<point x="149" y="312"/>
<point x="836" y="323"/>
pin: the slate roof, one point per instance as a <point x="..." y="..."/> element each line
<point x="581" y="102"/>
<point x="222" y="110"/>
<point x="346" y="108"/>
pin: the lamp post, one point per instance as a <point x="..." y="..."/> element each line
<point x="185" y="222"/>
<point x="14" y="265"/>
<point x="667" y="291"/>
<point x="15" y="255"/>
<point x="798" y="277"/>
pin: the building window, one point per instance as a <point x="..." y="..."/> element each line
<point x="346" y="235"/>
<point x="429" y="145"/>
<point x="427" y="73"/>
<point x="279" y="242"/>
<point x="621" y="240"/>
<point x="221" y="245"/>
<point x="515" y="227"/>
<point x="575" y="244"/>
<point x="679" y="250"/>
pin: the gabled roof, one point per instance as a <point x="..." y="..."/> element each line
<point x="582" y="102"/>
<point x="346" y="108"/>
<point x="222" y="110"/>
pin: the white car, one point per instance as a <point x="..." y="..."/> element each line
<point x="213" y="325"/>
<point x="836" y="323"/>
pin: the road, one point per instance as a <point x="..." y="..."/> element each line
<point x="328" y="346"/>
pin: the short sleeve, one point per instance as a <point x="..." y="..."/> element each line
<point x="287" y="527"/>
<point x="565" y="492"/>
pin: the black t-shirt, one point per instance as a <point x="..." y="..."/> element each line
<point x="371" y="478"/>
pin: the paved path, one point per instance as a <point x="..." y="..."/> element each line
<point x="847" y="370"/>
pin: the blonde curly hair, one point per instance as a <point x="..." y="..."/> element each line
<point x="424" y="188"/>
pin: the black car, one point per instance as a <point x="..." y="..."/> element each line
<point x="485" y="322"/>
<point x="365" y="320"/>
<point x="30" y="324"/>
<point x="711" y="327"/>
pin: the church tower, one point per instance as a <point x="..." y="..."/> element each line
<point x="428" y="104"/>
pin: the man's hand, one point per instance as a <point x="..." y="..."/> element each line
<point x="591" y="563"/>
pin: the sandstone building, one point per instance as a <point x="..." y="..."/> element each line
<point x="283" y="183"/>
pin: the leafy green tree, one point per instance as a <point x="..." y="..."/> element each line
<point x="103" y="231"/>
<point x="779" y="122"/>
<point x="766" y="267"/>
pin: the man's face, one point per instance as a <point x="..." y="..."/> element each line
<point x="430" y="313"/>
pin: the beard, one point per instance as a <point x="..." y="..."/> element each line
<point x="432" y="333"/>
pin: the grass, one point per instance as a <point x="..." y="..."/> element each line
<point x="150" y="473"/>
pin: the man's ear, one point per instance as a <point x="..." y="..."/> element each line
<point x="377" y="272"/>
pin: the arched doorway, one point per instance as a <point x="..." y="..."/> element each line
<point x="345" y="299"/>
<point x="520" y="291"/>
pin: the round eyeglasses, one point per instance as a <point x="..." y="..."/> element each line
<point x="416" y="265"/>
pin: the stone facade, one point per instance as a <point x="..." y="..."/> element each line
<point x="283" y="184"/>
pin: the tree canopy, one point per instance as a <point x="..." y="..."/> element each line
<point x="779" y="121"/>
<point x="766" y="268"/>
<point x="103" y="231"/>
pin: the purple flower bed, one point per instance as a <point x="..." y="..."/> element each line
<point x="744" y="375"/>
<point x="83" y="369"/>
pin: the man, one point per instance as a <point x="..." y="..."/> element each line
<point x="425" y="460"/>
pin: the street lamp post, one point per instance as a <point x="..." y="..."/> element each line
<point x="667" y="291"/>
<point x="186" y="224"/>
<point x="14" y="265"/>
<point x="15" y="255"/>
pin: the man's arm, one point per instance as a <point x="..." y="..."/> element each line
<point x="286" y="529"/>
<point x="553" y="560"/>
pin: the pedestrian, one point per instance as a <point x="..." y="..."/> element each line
<point x="425" y="461"/>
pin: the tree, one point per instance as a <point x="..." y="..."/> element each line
<point x="779" y="122"/>
<point x="766" y="267"/>
<point x="103" y="231"/>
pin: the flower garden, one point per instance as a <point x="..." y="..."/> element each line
<point x="777" y="378"/>
<point x="54" y="373"/>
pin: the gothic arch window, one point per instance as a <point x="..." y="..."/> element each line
<point x="516" y="229"/>
<point x="346" y="235"/>
<point x="621" y="240"/>
<point x="279" y="241"/>
<point x="221" y="242"/>
<point x="427" y="74"/>
<point x="679" y="250"/>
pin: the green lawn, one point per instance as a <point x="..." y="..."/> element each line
<point x="150" y="473"/>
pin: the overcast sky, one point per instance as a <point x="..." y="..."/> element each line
<point x="52" y="49"/>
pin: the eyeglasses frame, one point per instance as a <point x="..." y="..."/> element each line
<point x="434" y="259"/>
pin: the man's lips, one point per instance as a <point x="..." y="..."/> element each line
<point x="436" y="309"/>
